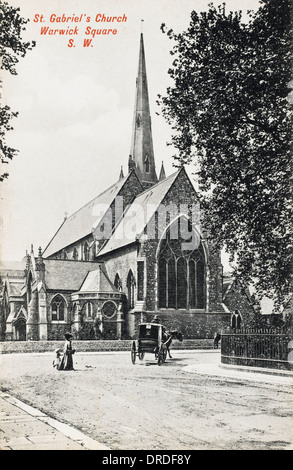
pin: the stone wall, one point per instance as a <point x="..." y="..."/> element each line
<point x="57" y="330"/>
<point x="261" y="363"/>
<point x="10" y="347"/>
<point x="121" y="262"/>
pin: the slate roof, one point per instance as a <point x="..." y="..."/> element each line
<point x="12" y="268"/>
<point x="15" y="287"/>
<point x="80" y="223"/>
<point x="67" y="275"/>
<point x="138" y="215"/>
<point x="228" y="284"/>
<point x="97" y="281"/>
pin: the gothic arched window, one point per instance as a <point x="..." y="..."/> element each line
<point x="88" y="310"/>
<point x="181" y="272"/>
<point x="140" y="280"/>
<point x="86" y="252"/>
<point x="75" y="254"/>
<point x="162" y="284"/>
<point x="74" y="309"/>
<point x="130" y="289"/>
<point x="171" y="283"/>
<point x="182" y="283"/>
<point x="236" y="320"/>
<point x="118" y="282"/>
<point x="58" y="306"/>
<point x="200" y="268"/>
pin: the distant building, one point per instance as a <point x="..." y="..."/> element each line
<point x="138" y="249"/>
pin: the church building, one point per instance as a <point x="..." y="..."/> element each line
<point x="138" y="249"/>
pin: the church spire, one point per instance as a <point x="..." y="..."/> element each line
<point x="141" y="150"/>
<point x="162" y="173"/>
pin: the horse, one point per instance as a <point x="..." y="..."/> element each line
<point x="168" y="336"/>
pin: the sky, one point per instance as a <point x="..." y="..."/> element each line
<point x="76" y="106"/>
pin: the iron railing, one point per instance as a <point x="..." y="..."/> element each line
<point x="268" y="348"/>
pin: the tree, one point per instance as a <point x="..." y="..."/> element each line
<point x="230" y="113"/>
<point x="12" y="47"/>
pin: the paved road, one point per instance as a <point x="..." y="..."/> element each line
<point x="107" y="403"/>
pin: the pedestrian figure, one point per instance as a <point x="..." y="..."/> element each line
<point x="58" y="358"/>
<point x="164" y="333"/>
<point x="217" y="338"/>
<point x="67" y="361"/>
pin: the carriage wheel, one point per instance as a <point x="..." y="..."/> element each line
<point x="141" y="355"/>
<point x="133" y="352"/>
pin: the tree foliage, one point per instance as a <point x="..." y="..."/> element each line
<point x="12" y="48"/>
<point x="230" y="113"/>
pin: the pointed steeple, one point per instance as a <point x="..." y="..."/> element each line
<point x="162" y="173"/>
<point x="121" y="176"/>
<point x="141" y="150"/>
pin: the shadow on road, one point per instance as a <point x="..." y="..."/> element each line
<point x="168" y="363"/>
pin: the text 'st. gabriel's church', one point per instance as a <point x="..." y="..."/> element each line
<point x="139" y="249"/>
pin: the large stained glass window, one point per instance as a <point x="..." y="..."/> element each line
<point x="181" y="271"/>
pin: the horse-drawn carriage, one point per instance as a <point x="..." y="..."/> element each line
<point x="153" y="338"/>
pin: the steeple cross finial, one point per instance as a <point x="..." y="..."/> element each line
<point x="141" y="25"/>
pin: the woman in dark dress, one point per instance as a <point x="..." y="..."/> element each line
<point x="67" y="361"/>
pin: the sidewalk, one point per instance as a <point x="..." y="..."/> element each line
<point x="251" y="374"/>
<point x="26" y="428"/>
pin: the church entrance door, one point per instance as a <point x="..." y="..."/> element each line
<point x="20" y="330"/>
